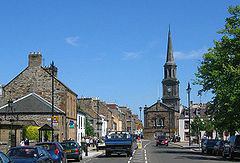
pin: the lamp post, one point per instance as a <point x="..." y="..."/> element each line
<point x="10" y="105"/>
<point x="189" y="111"/>
<point x="140" y="109"/>
<point x="53" y="68"/>
<point x="98" y="129"/>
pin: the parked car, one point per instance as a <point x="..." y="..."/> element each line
<point x="101" y="144"/>
<point x="4" y="158"/>
<point x="208" y="145"/>
<point x="73" y="149"/>
<point x="29" y="154"/>
<point x="162" y="140"/>
<point x="218" y="147"/>
<point x="232" y="148"/>
<point x="56" y="151"/>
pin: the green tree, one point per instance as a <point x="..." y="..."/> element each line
<point x="219" y="73"/>
<point x="89" y="129"/>
<point x="197" y="125"/>
<point x="208" y="127"/>
<point x="31" y="132"/>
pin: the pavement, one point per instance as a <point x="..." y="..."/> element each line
<point x="185" y="145"/>
<point x="92" y="152"/>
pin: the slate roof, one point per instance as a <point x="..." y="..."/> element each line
<point x="195" y="110"/>
<point x="167" y="107"/>
<point x="31" y="104"/>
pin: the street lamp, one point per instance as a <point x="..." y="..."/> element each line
<point x="10" y="111"/>
<point x="140" y="109"/>
<point x="53" y="69"/>
<point x="189" y="116"/>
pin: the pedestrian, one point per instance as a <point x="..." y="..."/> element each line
<point x="91" y="142"/>
<point x="22" y="143"/>
<point x="87" y="141"/>
<point x="26" y="142"/>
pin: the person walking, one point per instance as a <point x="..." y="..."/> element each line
<point x="22" y="143"/>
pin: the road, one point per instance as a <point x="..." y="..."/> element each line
<point x="153" y="154"/>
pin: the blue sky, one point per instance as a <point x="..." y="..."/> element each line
<point x="114" y="50"/>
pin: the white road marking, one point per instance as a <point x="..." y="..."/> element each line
<point x="146" y="144"/>
<point x="87" y="160"/>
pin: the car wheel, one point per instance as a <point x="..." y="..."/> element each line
<point x="213" y="152"/>
<point x="223" y="155"/>
<point x="108" y="154"/>
<point x="231" y="155"/>
<point x="78" y="159"/>
<point x="129" y="154"/>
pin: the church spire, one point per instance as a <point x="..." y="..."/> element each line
<point x="170" y="58"/>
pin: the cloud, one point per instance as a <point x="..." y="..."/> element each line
<point x="131" y="55"/>
<point x="73" y="40"/>
<point x="194" y="54"/>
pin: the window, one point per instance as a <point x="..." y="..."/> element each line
<point x="160" y="122"/>
<point x="186" y="125"/>
<point x="81" y="122"/>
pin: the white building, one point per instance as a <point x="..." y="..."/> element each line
<point x="81" y="120"/>
<point x="104" y="126"/>
<point x="196" y="110"/>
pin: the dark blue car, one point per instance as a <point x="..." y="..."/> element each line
<point x="55" y="150"/>
<point x="28" y="154"/>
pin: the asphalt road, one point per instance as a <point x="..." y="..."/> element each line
<point x="152" y="154"/>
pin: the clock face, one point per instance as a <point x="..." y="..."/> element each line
<point x="169" y="89"/>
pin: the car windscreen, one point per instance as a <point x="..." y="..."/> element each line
<point x="48" y="147"/>
<point x="118" y="136"/>
<point x="22" y="153"/>
<point x="162" y="137"/>
<point x="69" y="145"/>
<point x="211" y="142"/>
<point x="237" y="142"/>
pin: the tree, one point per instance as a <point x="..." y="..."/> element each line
<point x="219" y="73"/>
<point x="31" y="132"/>
<point x="89" y="129"/>
<point x="197" y="125"/>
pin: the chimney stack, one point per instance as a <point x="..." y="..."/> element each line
<point x="34" y="59"/>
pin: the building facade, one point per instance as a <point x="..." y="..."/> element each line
<point x="30" y="110"/>
<point x="37" y="79"/>
<point x="81" y="123"/>
<point x="161" y="117"/>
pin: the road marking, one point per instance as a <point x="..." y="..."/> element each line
<point x="130" y="158"/>
<point x="87" y="161"/>
<point x="146" y="144"/>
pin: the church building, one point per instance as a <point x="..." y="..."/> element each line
<point x="161" y="118"/>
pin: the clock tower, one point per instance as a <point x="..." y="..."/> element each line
<point x="170" y="83"/>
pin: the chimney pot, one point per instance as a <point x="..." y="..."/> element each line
<point x="34" y="59"/>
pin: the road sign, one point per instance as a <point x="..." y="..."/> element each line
<point x="55" y="119"/>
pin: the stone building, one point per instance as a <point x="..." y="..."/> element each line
<point x="123" y="117"/>
<point x="37" y="79"/>
<point x="30" y="110"/>
<point x="98" y="113"/>
<point x="117" y="122"/>
<point x="161" y="117"/>
<point x="129" y="119"/>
